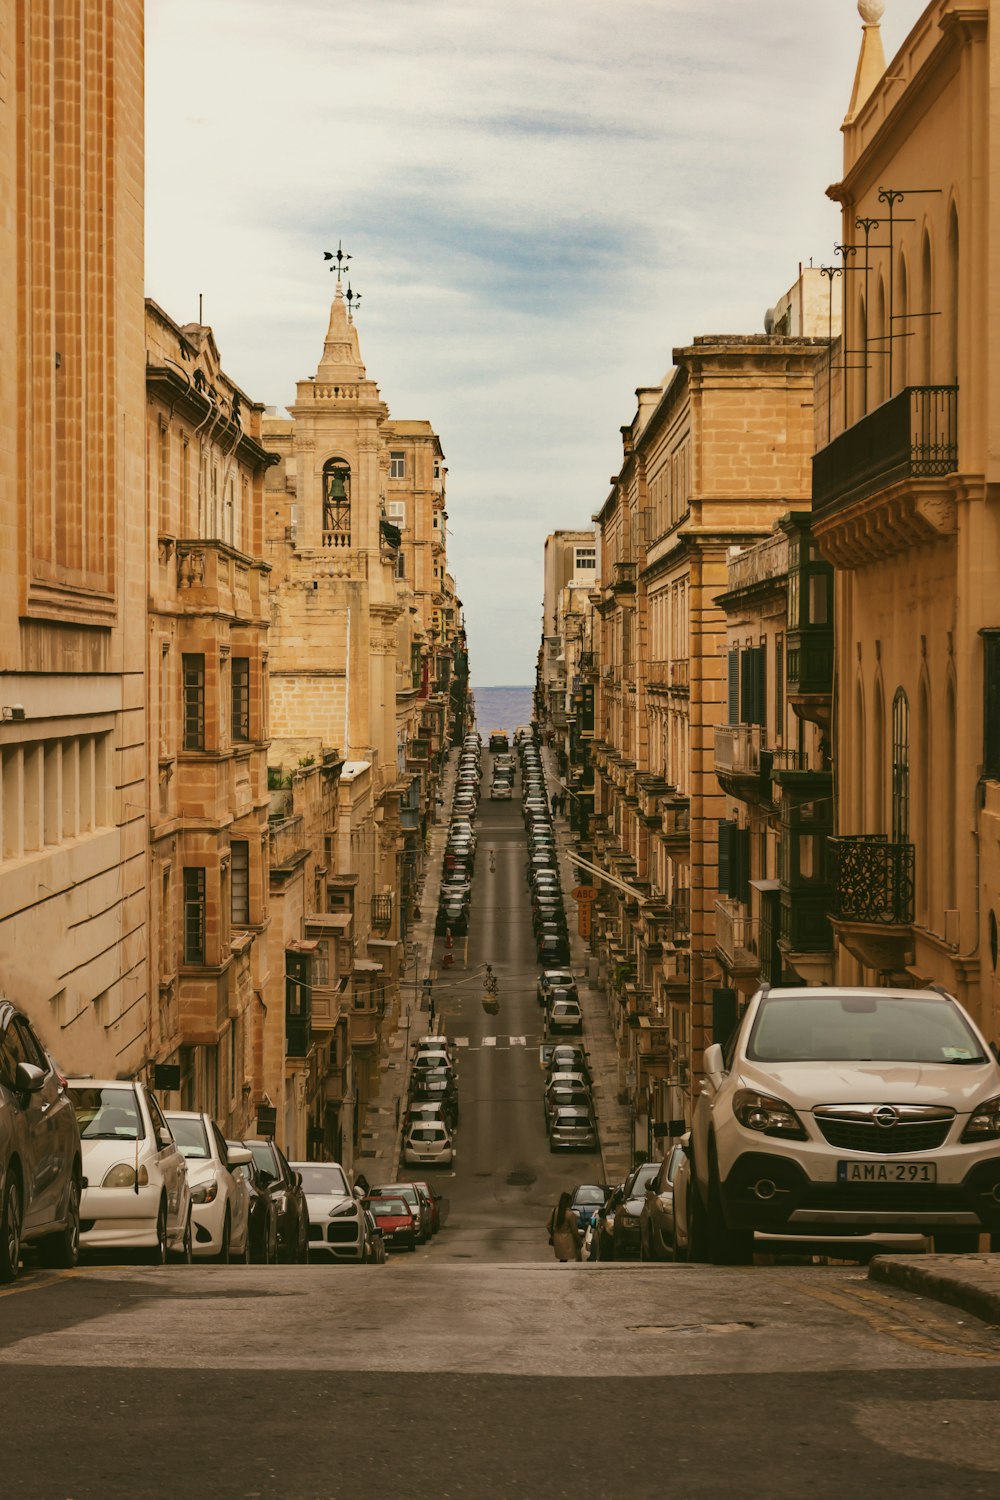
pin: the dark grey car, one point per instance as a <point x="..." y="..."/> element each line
<point x="40" y="1172"/>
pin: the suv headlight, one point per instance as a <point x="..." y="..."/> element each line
<point x="205" y="1192"/>
<point x="123" y="1176"/>
<point x="769" y="1116"/>
<point x="345" y="1211"/>
<point x="984" y="1122"/>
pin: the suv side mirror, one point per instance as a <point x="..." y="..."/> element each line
<point x="28" y="1078"/>
<point x="714" y="1064"/>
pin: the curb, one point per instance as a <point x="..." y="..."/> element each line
<point x="931" y="1279"/>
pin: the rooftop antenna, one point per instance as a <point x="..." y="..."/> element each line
<point x="200" y="318"/>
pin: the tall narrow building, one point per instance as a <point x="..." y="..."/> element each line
<point x="73" y="788"/>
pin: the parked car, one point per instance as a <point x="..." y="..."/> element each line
<point x="433" y="1060"/>
<point x="408" y="1192"/>
<point x="551" y="978"/>
<point x="603" y="1242"/>
<point x="395" y="1220"/>
<point x="553" y="950"/>
<point x="587" y="1199"/>
<point x="424" y="1113"/>
<point x="263" y="1213"/>
<point x="41" y="1170"/>
<point x="567" y="1057"/>
<point x="453" y="917"/>
<point x="625" y="1237"/>
<point x="573" y="1129"/>
<point x="437" y="1204"/>
<point x="563" y="1098"/>
<point x="436" y="1086"/>
<point x="851" y="1110"/>
<point x="665" y="1204"/>
<point x="135" y="1182"/>
<point x="336" y="1218"/>
<point x="428" y="1143"/>
<point x="374" y="1239"/>
<point x="285" y="1188"/>
<point x="565" y="1017"/>
<point x="501" y="791"/>
<point x="220" y="1200"/>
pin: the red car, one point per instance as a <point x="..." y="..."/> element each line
<point x="393" y="1217"/>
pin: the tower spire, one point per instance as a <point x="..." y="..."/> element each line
<point x="871" y="62"/>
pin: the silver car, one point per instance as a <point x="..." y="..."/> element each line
<point x="573" y="1129"/>
<point x="40" y="1161"/>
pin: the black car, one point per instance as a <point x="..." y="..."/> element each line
<point x="263" y="1221"/>
<point x="285" y="1189"/>
<point x="452" y="915"/>
<point x="553" y="951"/>
<point x="436" y="1087"/>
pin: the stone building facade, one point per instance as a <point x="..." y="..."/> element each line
<point x="207" y="675"/>
<point x="905" y="508"/>
<point x="74" y="939"/>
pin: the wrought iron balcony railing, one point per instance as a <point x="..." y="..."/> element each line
<point x="912" y="435"/>
<point x="872" y="879"/>
<point x="382" y="910"/>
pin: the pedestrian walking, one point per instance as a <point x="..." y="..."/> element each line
<point x="564" y="1230"/>
<point x="555" y="803"/>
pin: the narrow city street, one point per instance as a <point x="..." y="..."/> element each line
<point x="505" y="1180"/>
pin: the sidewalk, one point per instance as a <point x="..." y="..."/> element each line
<point x="971" y="1282"/>
<point x="381" y="1138"/>
<point x="612" y="1118"/>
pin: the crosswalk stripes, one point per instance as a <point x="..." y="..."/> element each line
<point x="493" y="1041"/>
<point x="489" y="1041"/>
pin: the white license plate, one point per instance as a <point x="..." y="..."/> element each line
<point x="886" y="1171"/>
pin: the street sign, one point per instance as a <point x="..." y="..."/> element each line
<point x="585" y="918"/>
<point x="583" y="893"/>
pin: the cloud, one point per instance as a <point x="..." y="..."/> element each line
<point x="542" y="200"/>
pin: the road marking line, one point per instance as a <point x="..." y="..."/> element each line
<point x="882" y="1322"/>
<point x="518" y="1041"/>
<point x="461" y="1041"/>
<point x="34" y="1286"/>
<point x="489" y="1041"/>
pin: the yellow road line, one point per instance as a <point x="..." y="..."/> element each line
<point x="881" y="1322"/>
<point x="36" y="1285"/>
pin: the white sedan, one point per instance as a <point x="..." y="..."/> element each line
<point x="220" y="1197"/>
<point x="336" y="1218"/>
<point x="135" y="1184"/>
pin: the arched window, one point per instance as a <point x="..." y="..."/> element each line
<point x="901" y="328"/>
<point x="949" y="374"/>
<point x="925" y="323"/>
<point x="860" y="741"/>
<point x="949" y="780"/>
<point x="925" y="864"/>
<point x="336" y="503"/>
<point x="900" y="768"/>
<point x="878" y="762"/>
<point x="878" y="347"/>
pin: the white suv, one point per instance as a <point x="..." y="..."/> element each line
<point x="838" y="1112"/>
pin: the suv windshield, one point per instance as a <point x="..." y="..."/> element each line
<point x="861" y="1028"/>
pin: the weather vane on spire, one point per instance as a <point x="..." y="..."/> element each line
<point x="353" y="300"/>
<point x="341" y="258"/>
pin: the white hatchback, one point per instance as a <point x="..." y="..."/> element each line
<point x="839" y="1113"/>
<point x="427" y="1143"/>
<point x="220" y="1197"/>
<point x="135" y="1184"/>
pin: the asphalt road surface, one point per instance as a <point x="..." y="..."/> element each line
<point x="479" y="1367"/>
<point x="506" y="1181"/>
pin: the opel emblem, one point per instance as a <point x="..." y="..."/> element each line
<point x="885" y="1116"/>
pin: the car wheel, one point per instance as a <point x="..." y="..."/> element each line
<point x="303" y="1247"/>
<point x="726" y="1247"/>
<point x="62" y="1251"/>
<point x="10" y="1230"/>
<point x="227" y="1232"/>
<point x="157" y="1255"/>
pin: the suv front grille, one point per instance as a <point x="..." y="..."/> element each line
<point x="856" y="1128"/>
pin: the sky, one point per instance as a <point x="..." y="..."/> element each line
<point x="542" y="198"/>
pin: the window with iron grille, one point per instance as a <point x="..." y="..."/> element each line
<point x="194" y="702"/>
<point x="241" y="697"/>
<point x="239" y="882"/>
<point x="194" y="915"/>
<point x="900" y="768"/>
